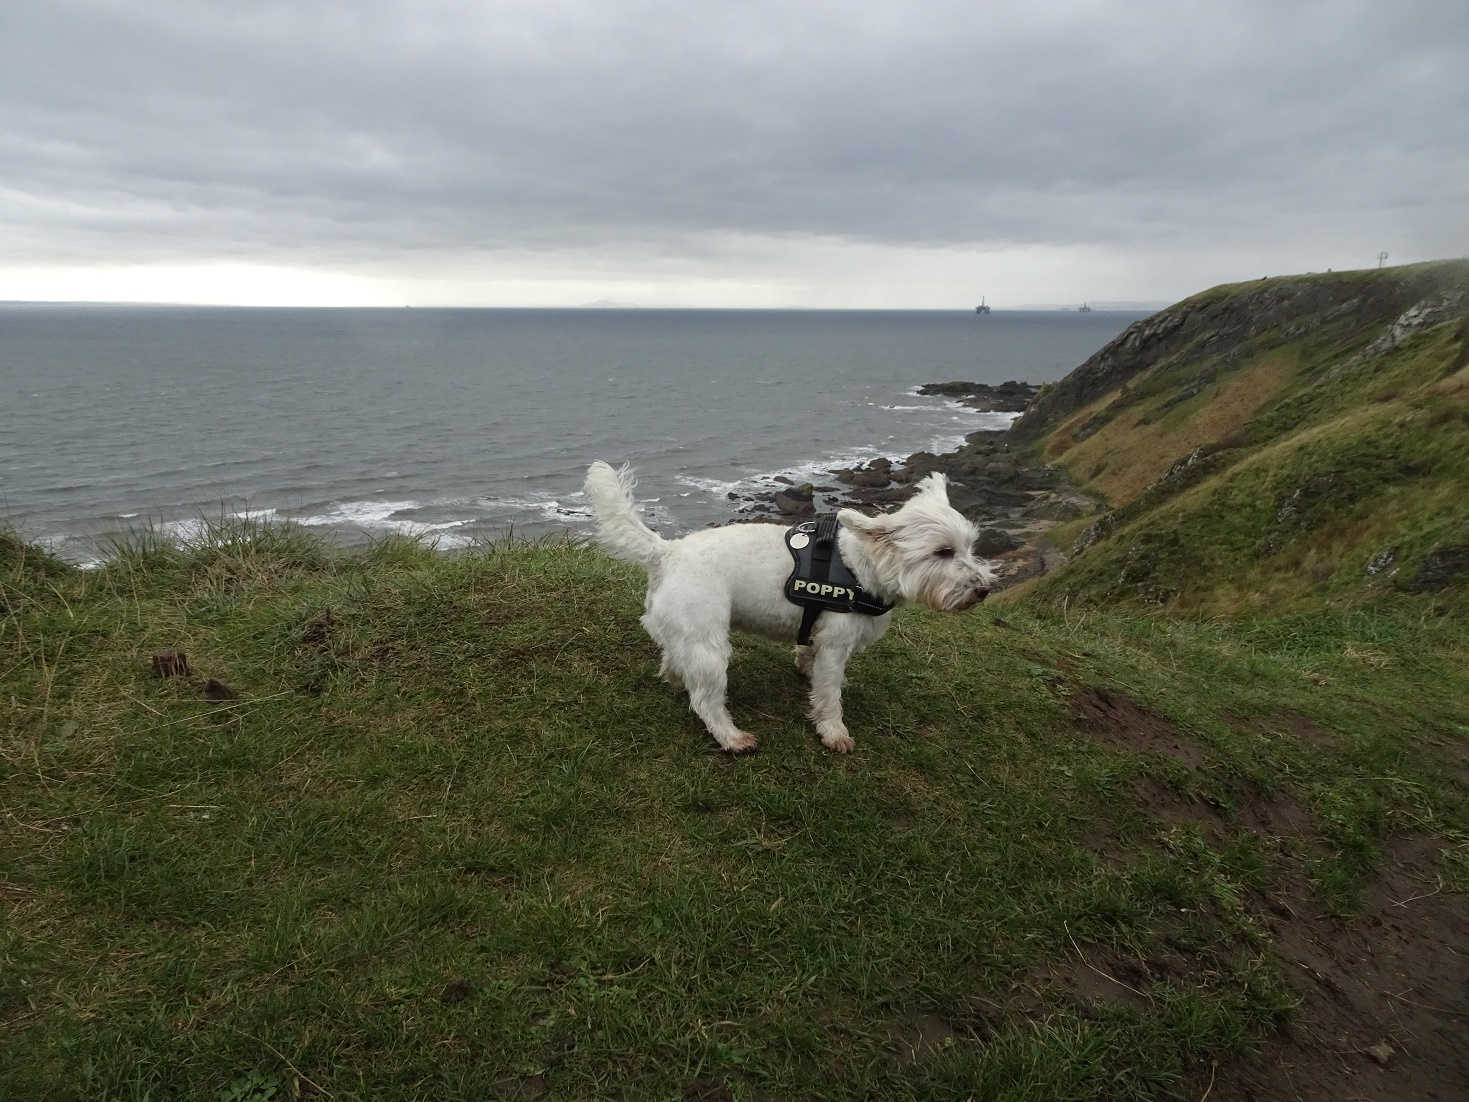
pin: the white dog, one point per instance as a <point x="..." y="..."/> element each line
<point x="707" y="582"/>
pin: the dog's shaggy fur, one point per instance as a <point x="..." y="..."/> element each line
<point x="701" y="586"/>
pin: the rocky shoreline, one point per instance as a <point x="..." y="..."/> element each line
<point x="1013" y="504"/>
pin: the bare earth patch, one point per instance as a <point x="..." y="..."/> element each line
<point x="1122" y="723"/>
<point x="919" y="1034"/>
<point x="1384" y="996"/>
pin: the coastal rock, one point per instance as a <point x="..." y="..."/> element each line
<point x="1000" y="470"/>
<point x="1295" y="509"/>
<point x="1142" y="561"/>
<point x="879" y="495"/>
<point x="1007" y="397"/>
<point x="1040" y="478"/>
<point x="919" y="465"/>
<point x="797" y="501"/>
<point x="1181" y="474"/>
<point x="1421" y="315"/>
<point x="1440" y="569"/>
<point x="986" y="484"/>
<point x="990" y="440"/>
<point x="1019" y="565"/>
<point x="879" y="472"/>
<point x="1057" y="508"/>
<point x="1380" y="562"/>
<point x="994" y="541"/>
<point x="994" y="497"/>
<point x="1099" y="530"/>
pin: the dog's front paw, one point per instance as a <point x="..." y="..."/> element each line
<point x="741" y="742"/>
<point x="842" y="744"/>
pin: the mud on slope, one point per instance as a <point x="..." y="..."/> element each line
<point x="1384" y="995"/>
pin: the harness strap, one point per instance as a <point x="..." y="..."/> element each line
<point x="823" y="547"/>
<point x="808" y="624"/>
<point x="820" y="581"/>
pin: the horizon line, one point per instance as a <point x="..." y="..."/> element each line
<point x="1128" y="307"/>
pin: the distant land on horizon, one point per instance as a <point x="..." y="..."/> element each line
<point x="604" y="304"/>
<point x="1127" y="305"/>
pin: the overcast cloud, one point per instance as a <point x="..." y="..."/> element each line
<point x="757" y="153"/>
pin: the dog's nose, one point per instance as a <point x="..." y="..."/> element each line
<point x="982" y="592"/>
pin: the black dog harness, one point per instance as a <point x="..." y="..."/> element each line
<point x="820" y="581"/>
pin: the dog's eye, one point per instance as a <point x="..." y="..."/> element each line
<point x="945" y="552"/>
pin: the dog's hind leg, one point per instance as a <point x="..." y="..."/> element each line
<point x="700" y="664"/>
<point x="704" y="671"/>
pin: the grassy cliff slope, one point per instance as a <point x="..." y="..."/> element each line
<point x="1274" y="444"/>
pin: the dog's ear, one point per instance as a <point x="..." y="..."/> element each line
<point x="854" y="521"/>
<point x="935" y="485"/>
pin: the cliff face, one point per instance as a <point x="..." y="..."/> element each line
<point x="1291" y="439"/>
<point x="1214" y="330"/>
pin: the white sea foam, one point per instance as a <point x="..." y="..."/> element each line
<point x="66" y="548"/>
<point x="819" y="470"/>
<point x="714" y="487"/>
<point x="816" y="470"/>
<point x="991" y="421"/>
<point x="364" y="514"/>
<point x="570" y="508"/>
<point x="188" y="530"/>
<point x="546" y="506"/>
<point x="965" y="419"/>
<point x="381" y="516"/>
<point x="959" y="414"/>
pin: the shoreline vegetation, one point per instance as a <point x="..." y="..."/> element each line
<point x="1187" y="817"/>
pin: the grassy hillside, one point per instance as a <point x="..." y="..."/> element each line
<point x="429" y="827"/>
<point x="1274" y="444"/>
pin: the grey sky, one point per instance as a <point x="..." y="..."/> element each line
<point x="864" y="154"/>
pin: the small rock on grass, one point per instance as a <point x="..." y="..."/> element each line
<point x="1382" y="1052"/>
<point x="217" y="690"/>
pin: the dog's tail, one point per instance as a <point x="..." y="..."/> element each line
<point x="620" y="530"/>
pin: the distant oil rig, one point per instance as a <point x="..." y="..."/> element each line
<point x="981" y="308"/>
<point x="1083" y="309"/>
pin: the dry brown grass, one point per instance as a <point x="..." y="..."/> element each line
<point x="1064" y="436"/>
<point x="1131" y="455"/>
<point x="1455" y="385"/>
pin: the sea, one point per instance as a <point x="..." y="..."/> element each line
<point x="461" y="426"/>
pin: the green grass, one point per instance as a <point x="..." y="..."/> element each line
<point x="453" y="839"/>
